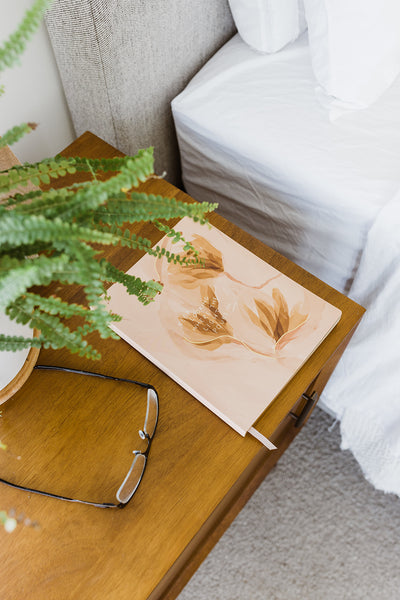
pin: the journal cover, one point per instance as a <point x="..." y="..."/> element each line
<point x="232" y="331"/>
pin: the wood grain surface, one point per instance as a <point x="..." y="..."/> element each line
<point x="75" y="437"/>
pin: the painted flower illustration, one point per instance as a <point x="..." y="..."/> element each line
<point x="208" y="328"/>
<point x="210" y="264"/>
<point x="275" y="319"/>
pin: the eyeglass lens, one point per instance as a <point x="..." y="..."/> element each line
<point x="135" y="473"/>
<point x="133" y="479"/>
<point x="151" y="414"/>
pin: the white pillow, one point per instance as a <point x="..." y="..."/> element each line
<point x="355" y="48"/>
<point x="268" y="25"/>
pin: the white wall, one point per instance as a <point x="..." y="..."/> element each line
<point x="33" y="92"/>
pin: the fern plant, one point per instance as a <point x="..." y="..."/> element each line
<point x="48" y="236"/>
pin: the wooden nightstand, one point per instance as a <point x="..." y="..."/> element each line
<point x="200" y="472"/>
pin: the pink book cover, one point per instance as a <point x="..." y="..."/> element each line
<point x="232" y="331"/>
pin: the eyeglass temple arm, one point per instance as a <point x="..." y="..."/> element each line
<point x="49" y="495"/>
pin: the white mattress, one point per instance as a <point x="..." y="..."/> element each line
<point x="254" y="138"/>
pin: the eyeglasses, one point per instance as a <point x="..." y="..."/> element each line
<point x="135" y="474"/>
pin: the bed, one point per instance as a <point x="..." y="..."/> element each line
<point x="255" y="137"/>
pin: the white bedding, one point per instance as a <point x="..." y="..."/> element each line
<point x="254" y="138"/>
<point x="364" y="390"/>
<point x="252" y="134"/>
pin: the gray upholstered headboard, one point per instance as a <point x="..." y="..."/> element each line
<point x="123" y="61"/>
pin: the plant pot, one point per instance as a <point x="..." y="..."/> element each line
<point x="15" y="367"/>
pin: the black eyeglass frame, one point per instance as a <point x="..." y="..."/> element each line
<point x="142" y="433"/>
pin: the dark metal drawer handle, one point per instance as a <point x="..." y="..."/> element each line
<point x="309" y="405"/>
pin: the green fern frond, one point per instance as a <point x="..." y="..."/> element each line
<point x="128" y="239"/>
<point x="17" y="276"/>
<point x="51" y="202"/>
<point x="23" y="251"/>
<point x="169" y="231"/>
<point x="135" y="242"/>
<point x="112" y="164"/>
<point x="12" y="49"/>
<point x="53" y="332"/>
<point x="143" y="207"/>
<point x="101" y="326"/>
<point x="91" y="272"/>
<point x="97" y="319"/>
<point x="14" y="343"/>
<point x="14" y="134"/>
<point x="67" y="204"/>
<point x="136" y="169"/>
<point x="22" y="175"/>
<point x="145" y="291"/>
<point x="52" y="305"/>
<point x="45" y="203"/>
<point x="178" y="237"/>
<point x="17" y="230"/>
<point x="18" y="198"/>
<point x="105" y="165"/>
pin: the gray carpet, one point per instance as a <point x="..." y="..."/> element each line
<point x="314" y="530"/>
